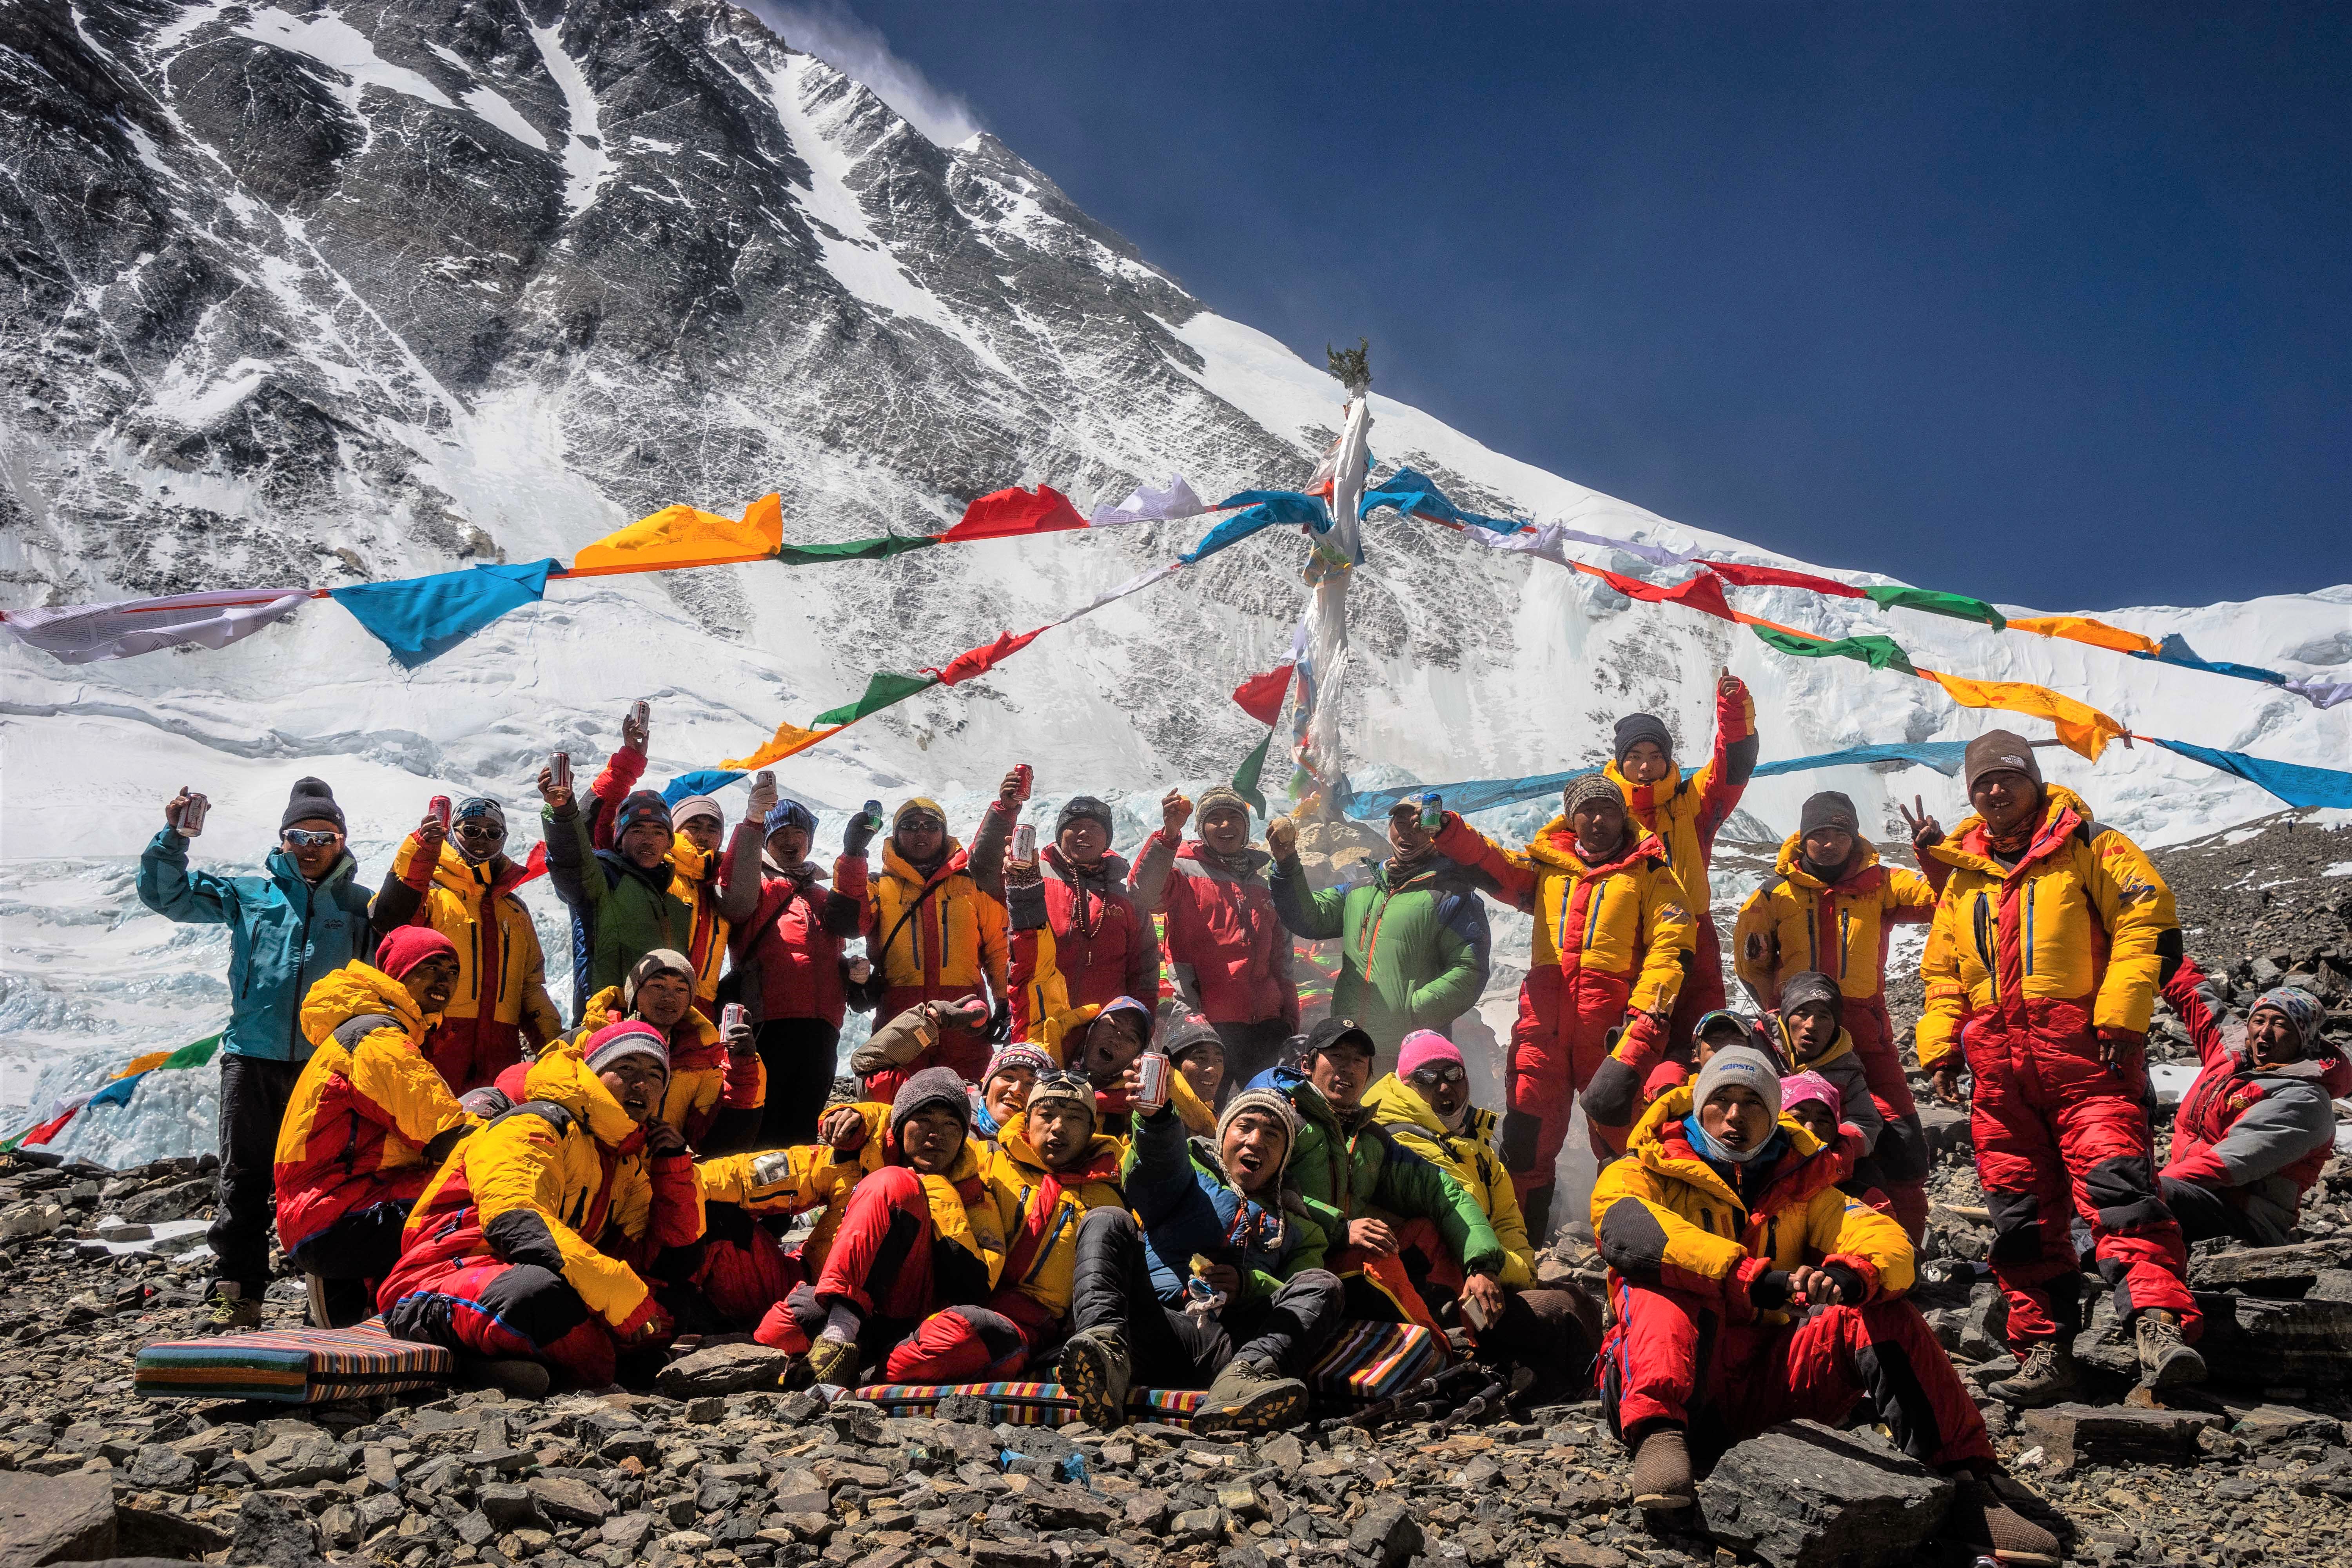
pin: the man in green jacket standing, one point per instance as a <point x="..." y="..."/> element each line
<point x="624" y="895"/>
<point x="1412" y="939"/>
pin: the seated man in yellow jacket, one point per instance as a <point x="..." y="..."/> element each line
<point x="1721" y="1227"/>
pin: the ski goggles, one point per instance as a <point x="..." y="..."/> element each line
<point x="1440" y="1073"/>
<point x="311" y="838"/>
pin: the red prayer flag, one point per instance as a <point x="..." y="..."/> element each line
<point x="533" y="867"/>
<point x="1261" y="696"/>
<point x="1005" y="514"/>
<point x="980" y="660"/>
<point x="1704" y="591"/>
<point x="47" y="1130"/>
<point x="1774" y="577"/>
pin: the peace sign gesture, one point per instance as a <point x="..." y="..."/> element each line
<point x="1925" y="829"/>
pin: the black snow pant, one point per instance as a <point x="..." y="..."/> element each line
<point x="2204" y="1213"/>
<point x="1168" y="1347"/>
<point x="1251" y="1048"/>
<point x="351" y="1258"/>
<point x="254" y="1094"/>
<point x="799" y="1054"/>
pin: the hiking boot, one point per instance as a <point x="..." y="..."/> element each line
<point x="1095" y="1371"/>
<point x="1981" y="1519"/>
<point x="2046" y="1376"/>
<point x="833" y="1361"/>
<point x="1251" y="1397"/>
<point x="1661" y="1472"/>
<point x="2166" y="1361"/>
<point x="510" y="1374"/>
<point x="229" y="1312"/>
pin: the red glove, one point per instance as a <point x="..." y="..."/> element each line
<point x="647" y="1325"/>
<point x="1642" y="1043"/>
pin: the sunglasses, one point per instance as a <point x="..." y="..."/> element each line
<point x="308" y="838"/>
<point x="1062" y="1080"/>
<point x="920" y="822"/>
<point x="1443" y="1074"/>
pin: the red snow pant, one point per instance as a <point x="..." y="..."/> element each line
<point x="471" y="1052"/>
<point x="743" y="1271"/>
<point x="1671" y="1359"/>
<point x="1560" y="1039"/>
<point x="481" y="1306"/>
<point x="965" y="1050"/>
<point x="1901" y="1158"/>
<point x="2051" y="1124"/>
<point x="1702" y="991"/>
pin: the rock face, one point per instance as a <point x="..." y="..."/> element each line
<point x="1804" y="1496"/>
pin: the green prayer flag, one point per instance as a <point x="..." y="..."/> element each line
<point x="192" y="1056"/>
<point x="883" y="688"/>
<point x="1959" y="607"/>
<point x="853" y="548"/>
<point x="1879" y="653"/>
<point x="1245" y="778"/>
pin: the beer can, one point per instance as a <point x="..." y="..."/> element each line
<point x="731" y="1017"/>
<point x="873" y="812"/>
<point x="1027" y="775"/>
<point x="191" y="814"/>
<point x="438" y="808"/>
<point x="1432" y="812"/>
<point x="642" y="711"/>
<point x="1024" y="844"/>
<point x="1152" y="1071"/>
<point x="560" y="764"/>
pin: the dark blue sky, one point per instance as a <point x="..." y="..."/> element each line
<point x="2048" y="303"/>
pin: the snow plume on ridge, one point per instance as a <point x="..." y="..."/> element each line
<point x="828" y="30"/>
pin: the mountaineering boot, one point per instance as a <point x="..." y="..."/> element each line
<point x="1980" y="1518"/>
<point x="229" y="1312"/>
<point x="832" y="1361"/>
<point x="1095" y="1371"/>
<point x="2166" y="1361"/>
<point x="514" y="1375"/>
<point x="1661" y="1472"/>
<point x="1252" y="1397"/>
<point x="2046" y="1376"/>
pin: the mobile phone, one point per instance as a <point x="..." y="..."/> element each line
<point x="439" y="809"/>
<point x="560" y="764"/>
<point x="1475" y="1315"/>
<point x="1432" y="812"/>
<point x="1024" y="844"/>
<point x="191" y="815"/>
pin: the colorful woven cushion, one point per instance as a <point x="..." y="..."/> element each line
<point x="293" y="1366"/>
<point x="1031" y="1403"/>
<point x="1370" y="1362"/>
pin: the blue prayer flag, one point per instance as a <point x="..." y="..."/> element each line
<point x="419" y="618"/>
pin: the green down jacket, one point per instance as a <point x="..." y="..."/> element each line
<point x="1349" y="1163"/>
<point x="1412" y="955"/>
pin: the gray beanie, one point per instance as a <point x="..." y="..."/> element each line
<point x="1744" y="1066"/>
<point x="933" y="1086"/>
<point x="1591" y="787"/>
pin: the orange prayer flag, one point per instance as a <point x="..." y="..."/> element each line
<point x="682" y="536"/>
<point x="2084" y="629"/>
<point x="2083" y="728"/>
<point x="147" y="1063"/>
<point x="787" y="739"/>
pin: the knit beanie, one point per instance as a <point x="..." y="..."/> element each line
<point x="1635" y="728"/>
<point x="1034" y="1057"/>
<point x="1996" y="750"/>
<point x="1591" y="787"/>
<point x="312" y="799"/>
<point x="405" y="948"/>
<point x="475" y="805"/>
<point x="1806" y="1088"/>
<point x="1830" y="808"/>
<point x="1059" y="1087"/>
<point x="1224" y="796"/>
<point x="933" y="1086"/>
<point x="1194" y="1033"/>
<point x="1271" y="1102"/>
<point x="789" y="813"/>
<point x="909" y="807"/>
<point x="1083" y="807"/>
<point x="627" y="1038"/>
<point x="695" y="805"/>
<point x="655" y="962"/>
<point x="1744" y="1066"/>
<point x="1807" y="987"/>
<point x="1424" y="1046"/>
<point x="642" y="806"/>
<point x="2304" y="1013"/>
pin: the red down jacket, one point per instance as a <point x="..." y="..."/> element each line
<point x="1227" y="949"/>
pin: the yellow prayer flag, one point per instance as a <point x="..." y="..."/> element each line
<point x="2084" y="629"/>
<point x="681" y="536"/>
<point x="787" y="739"/>
<point x="2082" y="727"/>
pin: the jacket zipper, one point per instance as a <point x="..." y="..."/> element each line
<point x="1845" y="940"/>
<point x="1592" y="915"/>
<point x="2026" y="892"/>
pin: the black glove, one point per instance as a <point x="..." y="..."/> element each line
<point x="858" y="834"/>
<point x="1768" y="1293"/>
<point x="1000" y="1024"/>
<point x="1850" y="1288"/>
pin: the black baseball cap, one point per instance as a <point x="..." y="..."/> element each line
<point x="1334" y="1030"/>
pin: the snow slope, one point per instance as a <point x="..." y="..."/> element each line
<point x="489" y="287"/>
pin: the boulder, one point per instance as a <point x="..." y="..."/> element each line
<point x="157" y="1205"/>
<point x="55" y="1519"/>
<point x="567" y="1500"/>
<point x="723" y="1369"/>
<point x="274" y="1532"/>
<point x="1803" y="1496"/>
<point x="1386" y="1536"/>
<point x="2269" y="1270"/>
<point x="2116" y="1434"/>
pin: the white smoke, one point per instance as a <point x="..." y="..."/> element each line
<point x="827" y="29"/>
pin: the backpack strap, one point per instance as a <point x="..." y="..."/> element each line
<point x="358" y="1027"/>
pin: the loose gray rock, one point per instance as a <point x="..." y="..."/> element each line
<point x="55" y="1519"/>
<point x="1803" y="1496"/>
<point x="723" y="1369"/>
<point x="272" y="1532"/>
<point x="1386" y="1535"/>
<point x="569" y="1501"/>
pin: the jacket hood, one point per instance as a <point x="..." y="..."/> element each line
<point x="687" y="859"/>
<point x="690" y="1036"/>
<point x="467" y="879"/>
<point x="1965" y="847"/>
<point x="2326" y="1065"/>
<point x="561" y="1076"/>
<point x="1645" y="799"/>
<point x="1100" y="1162"/>
<point x="289" y="878"/>
<point x="1791" y="864"/>
<point x="352" y="990"/>
<point x="1392" y="1100"/>
<point x="1657" y="1141"/>
<point x="1555" y="847"/>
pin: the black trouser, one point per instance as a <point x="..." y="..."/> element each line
<point x="1251" y="1048"/>
<point x="351" y="1258"/>
<point x="254" y="1092"/>
<point x="2204" y="1213"/>
<point x="799" y="1054"/>
<point x="1168" y="1347"/>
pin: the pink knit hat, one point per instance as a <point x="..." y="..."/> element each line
<point x="1424" y="1046"/>
<point x="1798" y="1088"/>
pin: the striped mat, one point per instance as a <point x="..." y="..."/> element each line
<point x="292" y="1366"/>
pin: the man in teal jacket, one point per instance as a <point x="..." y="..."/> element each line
<point x="302" y="921"/>
<point x="1412" y="939"/>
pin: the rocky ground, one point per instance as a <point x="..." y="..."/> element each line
<point x="2255" y="1467"/>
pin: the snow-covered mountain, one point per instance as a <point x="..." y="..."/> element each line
<point x="315" y="294"/>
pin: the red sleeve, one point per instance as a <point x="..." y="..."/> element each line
<point x="849" y="877"/>
<point x="611" y="787"/>
<point x="1503" y="878"/>
<point x="677" y="1201"/>
<point x="2195" y="1004"/>
<point x="1733" y="762"/>
<point x="746" y="1082"/>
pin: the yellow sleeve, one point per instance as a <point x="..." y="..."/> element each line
<point x="788" y="1180"/>
<point x="515" y="1170"/>
<point x="1908" y="890"/>
<point x="1671" y="933"/>
<point x="2135" y="907"/>
<point x="1510" y="1224"/>
<point x="1198" y="1118"/>
<point x="995" y="946"/>
<point x="1755" y="944"/>
<point x="391" y="1074"/>
<point x="1947" y="990"/>
<point x="1646" y="1242"/>
<point x="538" y="1013"/>
<point x="1847" y="1230"/>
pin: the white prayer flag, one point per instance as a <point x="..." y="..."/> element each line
<point x="83" y="633"/>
